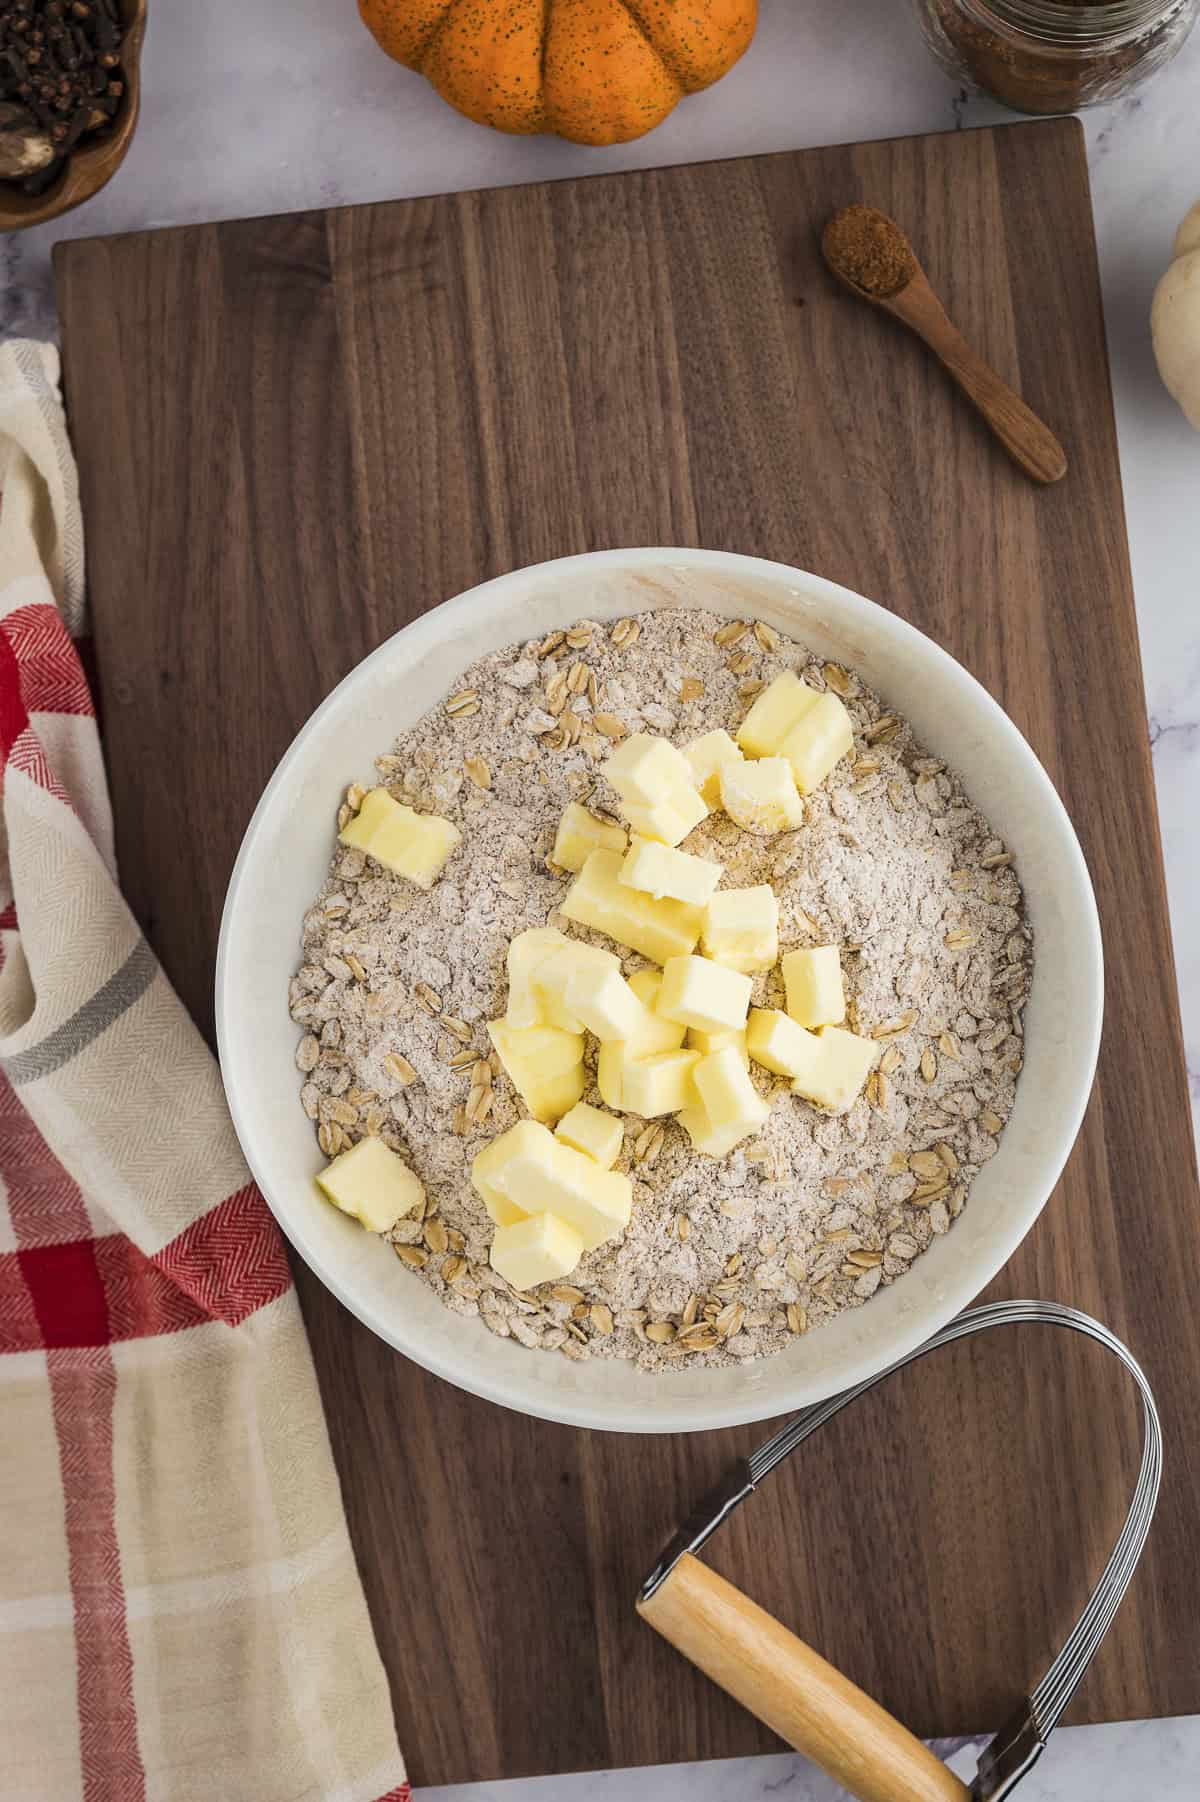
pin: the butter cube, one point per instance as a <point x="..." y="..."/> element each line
<point x="553" y="977"/>
<point x="377" y="807"/>
<point x="714" y="1142"/>
<point x="605" y="1003"/>
<point x="780" y="707"/>
<point x="813" y="981"/>
<point x="611" y="1061"/>
<point x="669" y="819"/>
<point x="659" y="1085"/>
<point x="741" y="928"/>
<point x="580" y="833"/>
<point x="727" y="1094"/>
<point x="553" y="1096"/>
<point x="554" y="1051"/>
<point x="778" y="1044"/>
<point x="762" y="797"/>
<point x="536" y="1250"/>
<point x="697" y="992"/>
<point x="489" y="1164"/>
<point x="414" y="845"/>
<point x="817" y="742"/>
<point x="544" y="1176"/>
<point x="654" y="1034"/>
<point x="658" y="929"/>
<point x="659" y="870"/>
<point x="526" y="952"/>
<point x="597" y="899"/>
<point x="846" y="1062"/>
<point x="544" y="1065"/>
<point x="595" y="1133"/>
<point x="705" y="757"/>
<point x="655" y="1037"/>
<point x="644" y="768"/>
<point x="370" y="1182"/>
<point x="708" y="1042"/>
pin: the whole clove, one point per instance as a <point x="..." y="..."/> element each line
<point x="60" y="82"/>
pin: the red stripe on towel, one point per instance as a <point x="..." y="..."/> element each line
<point x="82" y="1387"/>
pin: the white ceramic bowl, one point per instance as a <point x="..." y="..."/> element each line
<point x="283" y="861"/>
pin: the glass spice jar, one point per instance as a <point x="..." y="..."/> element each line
<point x="1054" y="56"/>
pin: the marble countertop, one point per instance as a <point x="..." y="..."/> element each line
<point x="240" y="118"/>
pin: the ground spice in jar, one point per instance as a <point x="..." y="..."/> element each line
<point x="1054" y="56"/>
<point x="869" y="250"/>
<point x="60" y="81"/>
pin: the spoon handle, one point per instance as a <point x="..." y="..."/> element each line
<point x="1028" y="441"/>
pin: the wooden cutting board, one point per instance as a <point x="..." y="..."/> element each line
<point x="294" y="435"/>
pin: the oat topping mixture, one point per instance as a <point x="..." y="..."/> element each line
<point x="724" y="1258"/>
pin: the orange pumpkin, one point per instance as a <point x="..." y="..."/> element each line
<point x="595" y="71"/>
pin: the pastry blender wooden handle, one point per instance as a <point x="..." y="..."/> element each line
<point x="793" y="1690"/>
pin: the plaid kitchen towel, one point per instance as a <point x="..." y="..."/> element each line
<point x="180" y="1614"/>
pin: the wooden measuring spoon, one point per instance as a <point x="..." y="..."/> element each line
<point x="871" y="256"/>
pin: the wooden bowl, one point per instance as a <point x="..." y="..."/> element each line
<point x="96" y="160"/>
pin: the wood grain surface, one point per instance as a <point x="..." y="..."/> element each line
<point x="296" y="434"/>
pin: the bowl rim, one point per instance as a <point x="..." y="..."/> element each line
<point x="578" y="1410"/>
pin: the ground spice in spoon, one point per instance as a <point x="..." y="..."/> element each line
<point x="869" y="250"/>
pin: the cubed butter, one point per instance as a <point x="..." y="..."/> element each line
<point x="846" y="1062"/>
<point x="762" y="797"/>
<point x="592" y="1131"/>
<point x="654" y="1038"/>
<point x="727" y="1094"/>
<point x="778" y="1044"/>
<point x="651" y="1086"/>
<point x="654" y="1034"/>
<point x="374" y="1185"/>
<point x="660" y="870"/>
<point x="780" y="707"/>
<point x="698" y="992"/>
<point x="377" y="807"/>
<point x="669" y="819"/>
<point x="544" y="1065"/>
<point x="554" y="1096"/>
<point x="708" y="1042"/>
<point x="705" y="757"/>
<point x="539" y="1249"/>
<point x="741" y="928"/>
<point x="525" y="953"/>
<point x="488" y="1164"/>
<point x="580" y="833"/>
<point x="817" y="742"/>
<point x="542" y="1175"/>
<point x="413" y="845"/>
<point x="645" y="768"/>
<point x="812" y="979"/>
<point x="658" y="929"/>
<point x="714" y="1142"/>
<point x="553" y="977"/>
<point x="611" y="1060"/>
<point x="605" y="1003"/>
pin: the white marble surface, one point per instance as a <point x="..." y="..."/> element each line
<point x="254" y="106"/>
<point x="1132" y="1761"/>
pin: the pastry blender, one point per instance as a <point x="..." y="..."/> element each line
<point x="809" y="1703"/>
